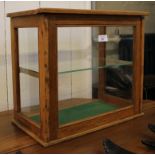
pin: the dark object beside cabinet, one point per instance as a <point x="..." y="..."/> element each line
<point x="112" y="148"/>
<point x="125" y="50"/>
<point x="120" y="74"/>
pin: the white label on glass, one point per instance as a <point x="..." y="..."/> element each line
<point x="102" y="38"/>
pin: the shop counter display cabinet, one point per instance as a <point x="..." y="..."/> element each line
<point x="71" y="75"/>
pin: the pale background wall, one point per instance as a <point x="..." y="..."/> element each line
<point x="6" y="94"/>
<point x="127" y="5"/>
<point x="6" y="101"/>
<point x="3" y="77"/>
<point x="131" y="5"/>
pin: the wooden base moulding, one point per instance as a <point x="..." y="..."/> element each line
<point x="52" y="142"/>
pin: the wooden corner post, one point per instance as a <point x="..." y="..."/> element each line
<point x="48" y="78"/>
<point x="138" y="46"/>
<point x="15" y="68"/>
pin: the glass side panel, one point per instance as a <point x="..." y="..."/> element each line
<point x="85" y="56"/>
<point x="28" y="48"/>
<point x="28" y="63"/>
<point x="29" y="95"/>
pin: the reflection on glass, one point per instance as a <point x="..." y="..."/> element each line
<point x="28" y="48"/>
<point x="118" y="55"/>
<point x="29" y="95"/>
<point x="29" y="81"/>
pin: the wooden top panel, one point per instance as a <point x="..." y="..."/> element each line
<point x="77" y="11"/>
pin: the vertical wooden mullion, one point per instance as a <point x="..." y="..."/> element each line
<point x="102" y="61"/>
<point x="142" y="48"/>
<point x="141" y="64"/>
<point x="15" y="68"/>
<point x="43" y="78"/>
<point x="138" y="56"/>
<point x="47" y="79"/>
<point x="53" y="75"/>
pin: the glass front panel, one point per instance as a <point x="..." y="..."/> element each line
<point x="29" y="81"/>
<point x="93" y="62"/>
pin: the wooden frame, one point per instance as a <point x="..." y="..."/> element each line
<point x="47" y="21"/>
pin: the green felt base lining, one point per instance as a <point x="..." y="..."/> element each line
<point x="83" y="111"/>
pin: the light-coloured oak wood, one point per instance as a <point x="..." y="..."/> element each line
<point x="127" y="134"/>
<point x="15" y="68"/>
<point x="77" y="11"/>
<point x="47" y="21"/>
<point x="69" y="137"/>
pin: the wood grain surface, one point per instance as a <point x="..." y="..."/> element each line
<point x="77" y="11"/>
<point x="128" y="135"/>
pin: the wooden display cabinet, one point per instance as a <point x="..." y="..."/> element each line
<point x="69" y="76"/>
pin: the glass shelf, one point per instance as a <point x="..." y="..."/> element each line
<point x="79" y="70"/>
<point x="36" y="74"/>
<point x="95" y="68"/>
